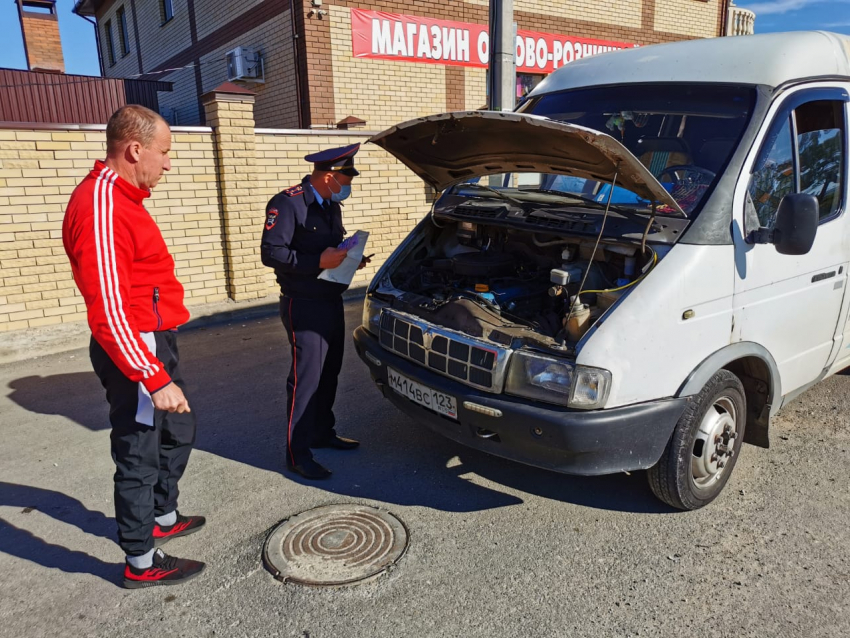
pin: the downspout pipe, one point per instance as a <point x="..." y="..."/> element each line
<point x="724" y="18"/>
<point x="295" y="37"/>
<point x="97" y="41"/>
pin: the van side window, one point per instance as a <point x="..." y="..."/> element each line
<point x="820" y="135"/>
<point x="773" y="177"/>
<point x="803" y="153"/>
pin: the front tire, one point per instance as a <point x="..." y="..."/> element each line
<point x="704" y="447"/>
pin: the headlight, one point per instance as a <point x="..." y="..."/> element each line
<point x="372" y="314"/>
<point x="536" y="376"/>
<point x="539" y="377"/>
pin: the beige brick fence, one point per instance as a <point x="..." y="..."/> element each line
<point x="210" y="207"/>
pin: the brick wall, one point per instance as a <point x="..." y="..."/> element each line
<point x="475" y="88"/>
<point x="158" y="41"/>
<point x="183" y="99"/>
<point x="276" y="100"/>
<point x="211" y="14"/>
<point x="211" y="217"/>
<point x="333" y="84"/>
<point x="387" y="199"/>
<point x="385" y="92"/>
<point x="382" y="92"/>
<point x="702" y="17"/>
<point x="38" y="171"/>
<point x="125" y="65"/>
<point x="624" y="13"/>
<point x="159" y="44"/>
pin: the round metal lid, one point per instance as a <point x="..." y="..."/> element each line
<point x="335" y="545"/>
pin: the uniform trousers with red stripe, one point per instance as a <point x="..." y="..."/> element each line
<point x="316" y="331"/>
<point x="150" y="447"/>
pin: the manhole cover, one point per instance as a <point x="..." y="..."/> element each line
<point x="335" y="545"/>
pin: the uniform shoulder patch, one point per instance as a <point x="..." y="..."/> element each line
<point x="271" y="218"/>
<point x="294" y="191"/>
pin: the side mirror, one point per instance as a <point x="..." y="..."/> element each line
<point x="796" y="224"/>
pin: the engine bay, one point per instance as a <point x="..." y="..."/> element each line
<point x="503" y="283"/>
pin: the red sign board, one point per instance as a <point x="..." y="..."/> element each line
<point x="389" y="36"/>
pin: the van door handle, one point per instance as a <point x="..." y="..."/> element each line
<point x="822" y="276"/>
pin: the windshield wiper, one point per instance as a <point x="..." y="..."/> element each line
<point x="563" y="195"/>
<point x="579" y="198"/>
<point x="498" y="193"/>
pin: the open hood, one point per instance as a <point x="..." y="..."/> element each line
<point x="452" y="147"/>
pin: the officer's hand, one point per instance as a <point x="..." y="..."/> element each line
<point x="364" y="262"/>
<point x="171" y="399"/>
<point x="332" y="257"/>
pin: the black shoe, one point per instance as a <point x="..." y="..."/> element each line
<point x="166" y="570"/>
<point x="338" y="443"/>
<point x="184" y="526"/>
<point x="309" y="469"/>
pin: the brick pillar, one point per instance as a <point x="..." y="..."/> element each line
<point x="230" y="112"/>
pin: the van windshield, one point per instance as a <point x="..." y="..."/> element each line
<point x="684" y="134"/>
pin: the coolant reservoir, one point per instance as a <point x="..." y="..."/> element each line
<point x="578" y="322"/>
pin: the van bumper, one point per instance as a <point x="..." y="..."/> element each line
<point x="546" y="436"/>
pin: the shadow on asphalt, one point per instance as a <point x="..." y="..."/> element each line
<point x="236" y="377"/>
<point x="24" y="544"/>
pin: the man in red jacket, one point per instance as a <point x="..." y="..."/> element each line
<point x="135" y="303"/>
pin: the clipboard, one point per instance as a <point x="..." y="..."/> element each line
<point x="344" y="273"/>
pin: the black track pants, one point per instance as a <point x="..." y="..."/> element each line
<point x="150" y="447"/>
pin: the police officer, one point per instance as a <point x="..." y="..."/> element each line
<point x="303" y="227"/>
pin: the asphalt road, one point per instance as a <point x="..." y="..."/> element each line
<point x="496" y="549"/>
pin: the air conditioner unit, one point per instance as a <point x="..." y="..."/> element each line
<point x="245" y="64"/>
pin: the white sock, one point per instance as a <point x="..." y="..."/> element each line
<point x="141" y="562"/>
<point x="167" y="520"/>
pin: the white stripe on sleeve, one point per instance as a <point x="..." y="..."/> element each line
<point x="105" y="285"/>
<point x="151" y="368"/>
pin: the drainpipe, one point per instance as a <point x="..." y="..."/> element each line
<point x="295" y="37"/>
<point x="724" y="17"/>
<point x="97" y="41"/>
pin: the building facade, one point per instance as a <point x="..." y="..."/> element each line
<point x="375" y="62"/>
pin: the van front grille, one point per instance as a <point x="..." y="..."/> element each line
<point x="454" y="355"/>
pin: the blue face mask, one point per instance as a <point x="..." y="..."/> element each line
<point x="344" y="192"/>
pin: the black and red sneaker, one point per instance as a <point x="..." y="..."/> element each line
<point x="166" y="570"/>
<point x="184" y="526"/>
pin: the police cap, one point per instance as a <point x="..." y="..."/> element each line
<point x="336" y="159"/>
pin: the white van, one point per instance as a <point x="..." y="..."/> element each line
<point x="635" y="270"/>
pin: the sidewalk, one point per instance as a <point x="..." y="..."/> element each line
<point x="496" y="549"/>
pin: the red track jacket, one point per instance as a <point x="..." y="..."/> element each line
<point x="123" y="270"/>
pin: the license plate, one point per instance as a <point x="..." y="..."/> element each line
<point x="422" y="394"/>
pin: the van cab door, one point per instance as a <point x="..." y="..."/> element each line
<point x="791" y="304"/>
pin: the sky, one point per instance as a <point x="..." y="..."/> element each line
<point x="77" y="34"/>
<point x="799" y="15"/>
<point x="81" y="51"/>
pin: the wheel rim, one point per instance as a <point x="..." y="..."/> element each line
<point x="714" y="445"/>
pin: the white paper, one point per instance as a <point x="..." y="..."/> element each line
<point x="344" y="273"/>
